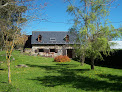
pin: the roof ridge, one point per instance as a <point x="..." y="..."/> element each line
<point x="49" y="31"/>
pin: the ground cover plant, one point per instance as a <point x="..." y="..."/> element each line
<point x="44" y="75"/>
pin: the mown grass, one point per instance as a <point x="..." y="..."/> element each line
<point x="44" y="75"/>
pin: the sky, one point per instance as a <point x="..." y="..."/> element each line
<point x="57" y="19"/>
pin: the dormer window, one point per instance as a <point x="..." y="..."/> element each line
<point x="39" y="38"/>
<point x="52" y="39"/>
<point x="67" y="38"/>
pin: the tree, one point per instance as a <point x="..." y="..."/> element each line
<point x="1" y="40"/>
<point x="120" y="32"/>
<point x="79" y="49"/>
<point x="11" y="21"/>
<point x="91" y="25"/>
<point x="11" y="18"/>
<point x="20" y="41"/>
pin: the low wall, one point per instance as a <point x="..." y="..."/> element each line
<point x="27" y="50"/>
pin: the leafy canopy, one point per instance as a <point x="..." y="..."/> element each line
<point x="90" y="23"/>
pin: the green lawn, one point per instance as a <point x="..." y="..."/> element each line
<point x="44" y="75"/>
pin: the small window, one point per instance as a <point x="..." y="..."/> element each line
<point x="52" y="50"/>
<point x="36" y="51"/>
<point x="39" y="38"/>
<point x="67" y="38"/>
<point x="52" y="39"/>
<point x="41" y="50"/>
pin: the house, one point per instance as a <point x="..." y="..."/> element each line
<point x="55" y="43"/>
<point x="52" y="43"/>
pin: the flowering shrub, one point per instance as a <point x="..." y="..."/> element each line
<point x="62" y="59"/>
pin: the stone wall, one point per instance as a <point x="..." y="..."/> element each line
<point x="58" y="48"/>
<point x="27" y="50"/>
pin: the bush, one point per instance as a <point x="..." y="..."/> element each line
<point x="62" y="59"/>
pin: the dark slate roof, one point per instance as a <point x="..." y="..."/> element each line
<point x="46" y="35"/>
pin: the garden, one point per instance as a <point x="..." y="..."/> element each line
<point x="41" y="74"/>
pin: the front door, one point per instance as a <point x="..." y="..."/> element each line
<point x="69" y="53"/>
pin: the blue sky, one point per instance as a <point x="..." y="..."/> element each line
<point x="59" y="20"/>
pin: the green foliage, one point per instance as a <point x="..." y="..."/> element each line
<point x="120" y="32"/>
<point x="93" y="33"/>
<point x="70" y="8"/>
<point x="10" y="19"/>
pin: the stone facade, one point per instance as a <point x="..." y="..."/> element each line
<point x="51" y="43"/>
<point x="51" y="50"/>
<point x="28" y="50"/>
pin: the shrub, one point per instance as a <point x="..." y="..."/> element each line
<point x="62" y="59"/>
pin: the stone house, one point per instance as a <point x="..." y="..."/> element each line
<point x="52" y="43"/>
<point x="55" y="43"/>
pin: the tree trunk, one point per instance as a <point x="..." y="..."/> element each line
<point x="23" y="50"/>
<point x="82" y="60"/>
<point x="92" y="64"/>
<point x="9" y="73"/>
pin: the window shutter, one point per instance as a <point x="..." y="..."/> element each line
<point x="56" y="50"/>
<point x="39" y="38"/>
<point x="67" y="38"/>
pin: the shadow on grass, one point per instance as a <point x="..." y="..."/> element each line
<point x="81" y="82"/>
<point x="56" y="67"/>
<point x="1" y="69"/>
<point x="43" y="67"/>
<point x="111" y="77"/>
<point x="70" y="77"/>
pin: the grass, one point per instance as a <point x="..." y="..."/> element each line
<point x="44" y="75"/>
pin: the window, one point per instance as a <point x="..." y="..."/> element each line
<point x="52" y="39"/>
<point x="39" y="38"/>
<point x="41" y="50"/>
<point x="36" y="51"/>
<point x="52" y="50"/>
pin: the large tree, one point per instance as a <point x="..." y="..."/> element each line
<point x="90" y="23"/>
